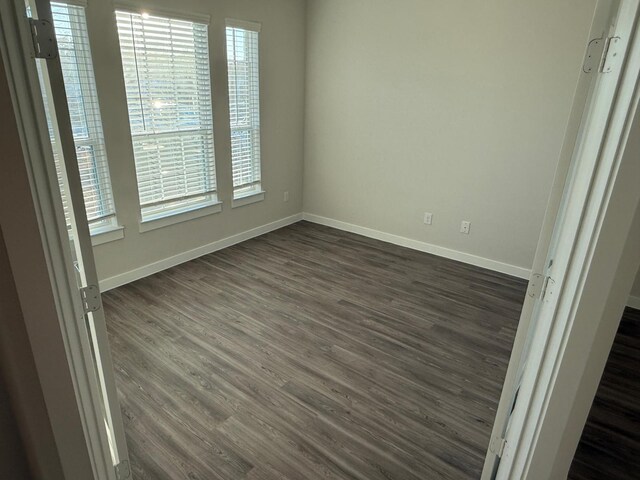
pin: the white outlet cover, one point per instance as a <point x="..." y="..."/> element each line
<point x="428" y="218"/>
<point x="465" y="227"/>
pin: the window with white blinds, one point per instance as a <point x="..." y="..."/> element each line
<point x="166" y="73"/>
<point x="77" y="69"/>
<point x="244" y="106"/>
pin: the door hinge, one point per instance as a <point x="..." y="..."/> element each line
<point x="536" y="285"/>
<point x="602" y="55"/>
<point x="44" y="38"/>
<point x="540" y="286"/>
<point x="497" y="446"/>
<point x="90" y="296"/>
<point x="593" y="57"/>
<point x="548" y="290"/>
<point x="123" y="471"/>
<point x="613" y="51"/>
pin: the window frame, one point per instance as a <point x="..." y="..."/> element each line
<point x="252" y="192"/>
<point x="206" y="203"/>
<point x="106" y="227"/>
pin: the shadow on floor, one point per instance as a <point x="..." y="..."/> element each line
<point x="610" y="443"/>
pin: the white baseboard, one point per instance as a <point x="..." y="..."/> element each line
<point x="138" y="273"/>
<point x="513" y="270"/>
<point x="633" y="302"/>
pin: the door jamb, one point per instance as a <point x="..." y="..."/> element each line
<point x="582" y="95"/>
<point x="94" y="459"/>
<point x="533" y="412"/>
<point x="56" y="251"/>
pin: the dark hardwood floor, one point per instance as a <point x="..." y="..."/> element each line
<point x="610" y="444"/>
<point x="311" y="353"/>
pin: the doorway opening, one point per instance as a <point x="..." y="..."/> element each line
<point x="379" y="367"/>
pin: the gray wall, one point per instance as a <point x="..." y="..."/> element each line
<point x="18" y="375"/>
<point x="635" y="291"/>
<point x="634" y="150"/>
<point x="456" y="108"/>
<point x="26" y="437"/>
<point x="13" y="459"/>
<point x="282" y="96"/>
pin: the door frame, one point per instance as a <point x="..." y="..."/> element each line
<point x="555" y="353"/>
<point x="72" y="396"/>
<point x="53" y="82"/>
<point x="59" y="280"/>
<point x="581" y="98"/>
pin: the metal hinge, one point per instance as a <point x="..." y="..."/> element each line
<point x="602" y="55"/>
<point x="44" y="38"/>
<point x="593" y="57"/>
<point x="540" y="286"/>
<point x="123" y="471"/>
<point x="497" y="446"/>
<point x="90" y="296"/>
<point x="549" y="290"/>
<point x="536" y="285"/>
<point x="612" y="55"/>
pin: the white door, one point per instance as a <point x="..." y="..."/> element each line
<point x="611" y="30"/>
<point x="64" y="146"/>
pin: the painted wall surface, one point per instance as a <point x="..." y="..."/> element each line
<point x="456" y="108"/>
<point x="18" y="374"/>
<point x="635" y="290"/>
<point x="13" y="459"/>
<point x="27" y="444"/>
<point x="282" y="47"/>
<point x="634" y="151"/>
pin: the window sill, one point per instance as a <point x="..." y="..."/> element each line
<point x="248" y="199"/>
<point x="172" y="218"/>
<point x="108" y="234"/>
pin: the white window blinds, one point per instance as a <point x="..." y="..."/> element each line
<point x="244" y="106"/>
<point x="166" y="73"/>
<point x="77" y="69"/>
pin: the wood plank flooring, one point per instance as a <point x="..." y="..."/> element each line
<point x="610" y="444"/>
<point x="311" y="353"/>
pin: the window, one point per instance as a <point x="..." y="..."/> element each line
<point x="166" y="73"/>
<point x="77" y="69"/>
<point x="244" y="106"/>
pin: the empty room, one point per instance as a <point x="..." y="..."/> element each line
<point x="319" y="239"/>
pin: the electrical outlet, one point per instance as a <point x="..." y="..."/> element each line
<point x="465" y="227"/>
<point x="428" y="218"/>
<point x="286" y="196"/>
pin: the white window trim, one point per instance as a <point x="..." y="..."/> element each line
<point x="134" y="7"/>
<point x="257" y="195"/>
<point x="244" y="24"/>
<point x="109" y="222"/>
<point x="107" y="234"/>
<point x="185" y="214"/>
<point x="180" y="211"/>
<point x="77" y="3"/>
<point x="248" y="199"/>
